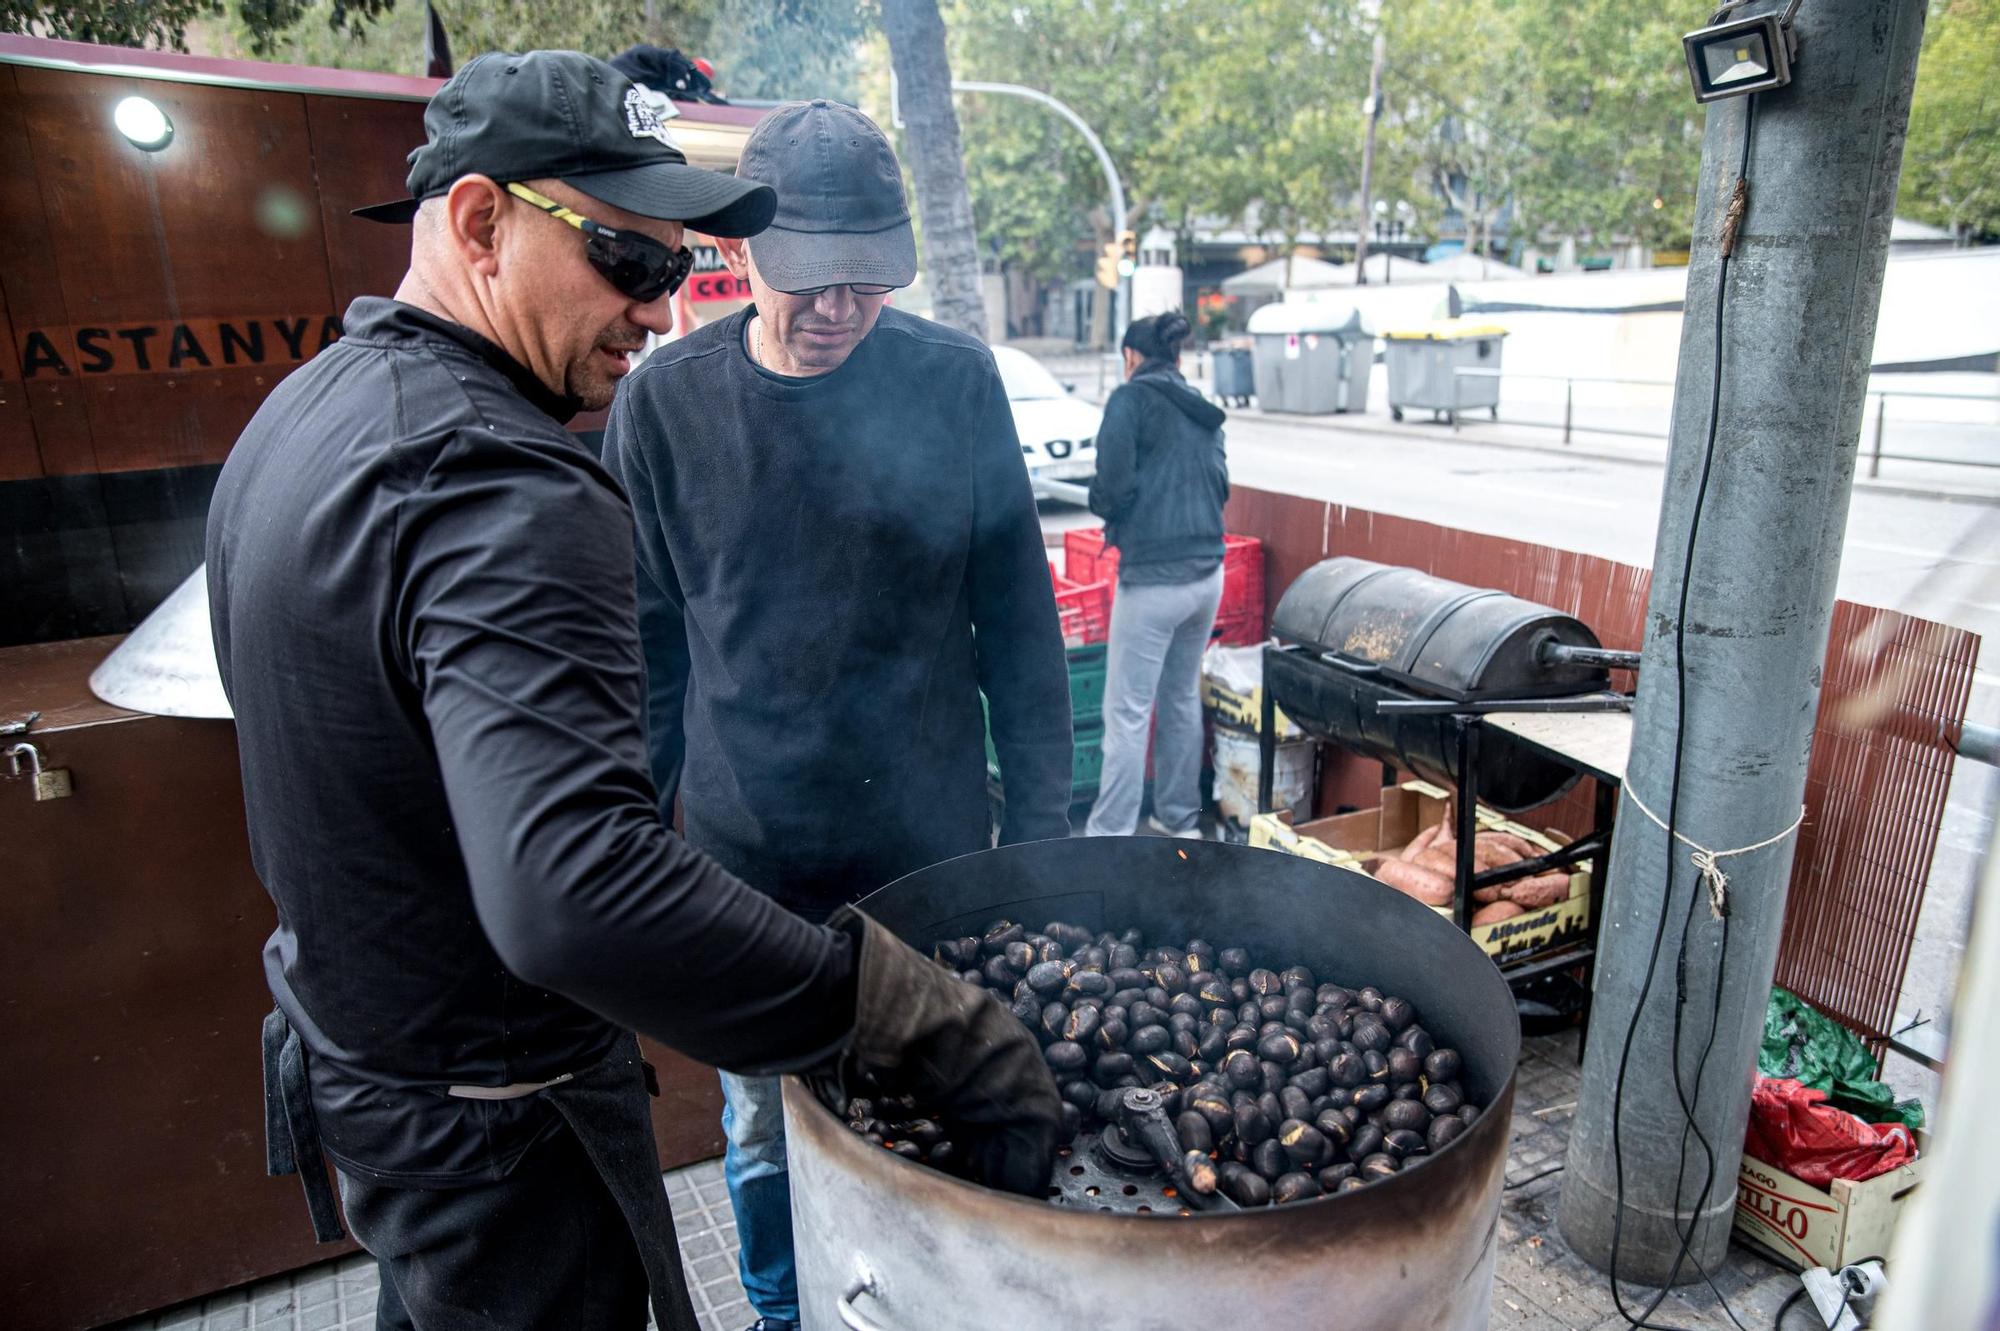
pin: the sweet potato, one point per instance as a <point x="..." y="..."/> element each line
<point x="1542" y="890"/>
<point x="1421" y="842"/>
<point x="1430" y="888"/>
<point x="1439" y="861"/>
<point x="1498" y="911"/>
<point x="1519" y="849"/>
<point x="1492" y="892"/>
<point x="1491" y="855"/>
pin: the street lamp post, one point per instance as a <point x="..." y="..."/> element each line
<point x="1389" y="230"/>
<point x="1111" y="180"/>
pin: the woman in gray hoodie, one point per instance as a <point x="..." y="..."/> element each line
<point x="1162" y="479"/>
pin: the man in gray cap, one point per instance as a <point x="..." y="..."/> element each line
<point x="422" y="596"/>
<point x="838" y="553"/>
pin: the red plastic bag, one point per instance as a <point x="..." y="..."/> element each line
<point x="1792" y="1126"/>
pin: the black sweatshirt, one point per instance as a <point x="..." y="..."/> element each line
<point x="1162" y="479"/>
<point x="830" y="570"/>
<point x="421" y="589"/>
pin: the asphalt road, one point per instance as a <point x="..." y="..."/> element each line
<point x="1928" y="553"/>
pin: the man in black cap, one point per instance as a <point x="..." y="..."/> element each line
<point x="838" y="552"/>
<point x="423" y="607"/>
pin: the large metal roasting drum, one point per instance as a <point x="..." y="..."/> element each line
<point x="890" y="1244"/>
<point x="1366" y="632"/>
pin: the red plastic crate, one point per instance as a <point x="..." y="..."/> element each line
<point x="1083" y="609"/>
<point x="1085" y="560"/>
<point x="1239" y="630"/>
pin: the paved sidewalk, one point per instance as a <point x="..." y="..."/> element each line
<point x="1540" y="1285"/>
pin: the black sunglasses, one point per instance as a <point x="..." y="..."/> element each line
<point x="639" y="266"/>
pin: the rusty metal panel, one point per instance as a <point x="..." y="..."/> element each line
<point x="359" y="152"/>
<point x="20" y="455"/>
<point x="687" y="1118"/>
<point x="1895" y="694"/>
<point x="190" y="279"/>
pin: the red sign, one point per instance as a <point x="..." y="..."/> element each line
<point x="724" y="285"/>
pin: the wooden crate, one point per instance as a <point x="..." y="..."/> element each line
<point x="1806" y="1226"/>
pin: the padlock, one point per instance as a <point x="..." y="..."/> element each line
<point x="50" y="784"/>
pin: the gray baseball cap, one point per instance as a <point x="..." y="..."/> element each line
<point x="572" y="117"/>
<point x="842" y="216"/>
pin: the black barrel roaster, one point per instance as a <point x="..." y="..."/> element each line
<point x="1358" y="633"/>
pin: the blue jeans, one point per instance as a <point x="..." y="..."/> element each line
<point x="760" y="1193"/>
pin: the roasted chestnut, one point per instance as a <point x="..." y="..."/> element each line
<point x="1294" y="1187"/>
<point x="1379" y="1166"/>
<point x="1442" y="1065"/>
<point x="1110" y="1067"/>
<point x="1199" y="1172"/>
<point x="1347" y="1070"/>
<point x="1000" y="933"/>
<point x="1404" y="1066"/>
<point x="1242" y="1185"/>
<point x="1112" y="1032"/>
<point x="1304" y="1143"/>
<point x="1367" y="1140"/>
<point x="1055" y="1016"/>
<point x="1150" y="1039"/>
<point x="1443" y="1098"/>
<point x="1418" y="1041"/>
<point x="1337" y="1131"/>
<point x="1397" y="1013"/>
<point x="1280" y="1047"/>
<point x="1372" y="1097"/>
<point x="1170" y="1066"/>
<point x="1334" y="1175"/>
<point x="1443" y="1131"/>
<point x="1266" y="982"/>
<point x="1233" y="961"/>
<point x="1081" y="1024"/>
<point x="1251" y="1123"/>
<point x="1269" y="1159"/>
<point x="1194" y="1133"/>
<point x="1405" y="1114"/>
<point x="1065" y="1056"/>
<point x="1242" y="1071"/>
<point x="1402" y="1143"/>
<point x="1295" y="1102"/>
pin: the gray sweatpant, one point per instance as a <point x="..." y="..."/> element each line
<point x="1157" y="637"/>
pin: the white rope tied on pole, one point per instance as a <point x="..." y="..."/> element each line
<point x="1708" y="862"/>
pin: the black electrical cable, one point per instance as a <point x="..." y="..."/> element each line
<point x="1778" y="1322"/>
<point x="1673" y="817"/>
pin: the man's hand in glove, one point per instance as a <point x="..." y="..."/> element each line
<point x="921" y="1030"/>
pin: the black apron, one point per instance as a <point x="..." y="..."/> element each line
<point x="605" y="1105"/>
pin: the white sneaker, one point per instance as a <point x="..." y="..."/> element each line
<point x="1192" y="834"/>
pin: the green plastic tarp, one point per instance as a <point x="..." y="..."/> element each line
<point x="1808" y="1047"/>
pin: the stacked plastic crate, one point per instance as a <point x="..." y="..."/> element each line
<point x="1240" y="619"/>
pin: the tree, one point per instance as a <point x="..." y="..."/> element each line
<point x="164" y="23"/>
<point x="936" y="162"/>
<point x="1951" y="157"/>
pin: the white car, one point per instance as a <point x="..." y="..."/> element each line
<point x="1058" y="433"/>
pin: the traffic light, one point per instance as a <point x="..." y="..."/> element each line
<point x="1108" y="265"/>
<point x="1128" y="253"/>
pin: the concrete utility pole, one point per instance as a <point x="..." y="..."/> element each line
<point x="1803" y="290"/>
<point x="1374" y="113"/>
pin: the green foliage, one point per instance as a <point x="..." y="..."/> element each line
<point x="165" y="23"/>
<point x="1951" y="160"/>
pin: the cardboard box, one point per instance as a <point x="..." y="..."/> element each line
<point x="1347" y="840"/>
<point x="1806" y="1226"/>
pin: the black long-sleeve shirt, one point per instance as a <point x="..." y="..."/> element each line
<point x="422" y="596"/>
<point x="831" y="570"/>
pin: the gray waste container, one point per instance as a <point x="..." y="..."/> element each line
<point x="1424" y="362"/>
<point x="1311" y="359"/>
<point x="1233" y="380"/>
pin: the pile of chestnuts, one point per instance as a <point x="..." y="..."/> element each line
<point x="1280" y="1087"/>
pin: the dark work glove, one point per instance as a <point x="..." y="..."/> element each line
<point x="922" y="1031"/>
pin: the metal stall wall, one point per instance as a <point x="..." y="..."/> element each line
<point x="149" y="300"/>
<point x="131" y="992"/>
<point x="1891" y="704"/>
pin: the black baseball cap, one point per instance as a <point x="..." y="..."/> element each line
<point x="842" y="216"/>
<point x="571" y="117"/>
